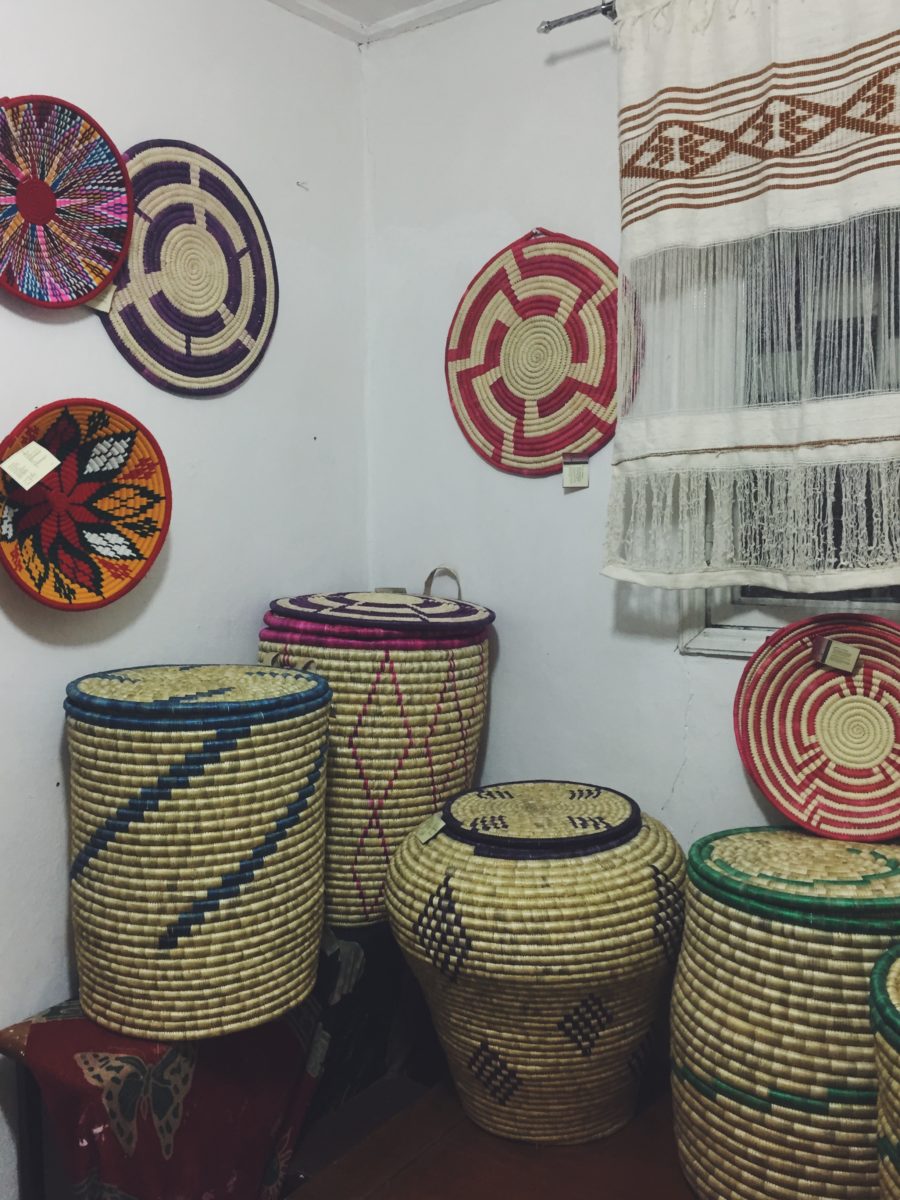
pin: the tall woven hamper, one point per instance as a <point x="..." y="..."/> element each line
<point x="773" y="1066"/>
<point x="885" y="998"/>
<point x="410" y="681"/>
<point x="197" y="844"/>
<point x="542" y="920"/>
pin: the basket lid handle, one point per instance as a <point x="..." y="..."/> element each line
<point x="429" y="582"/>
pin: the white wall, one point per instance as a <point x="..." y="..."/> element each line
<point x="477" y="131"/>
<point x="279" y="100"/>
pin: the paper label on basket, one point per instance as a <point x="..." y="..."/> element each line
<point x="102" y="302"/>
<point x="576" y="472"/>
<point x="29" y="465"/>
<point x="430" y="828"/>
<point x="837" y="656"/>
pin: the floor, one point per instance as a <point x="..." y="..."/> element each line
<point x="431" y="1151"/>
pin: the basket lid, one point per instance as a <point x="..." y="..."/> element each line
<point x="192" y="691"/>
<point x="786" y="871"/>
<point x="386" y="610"/>
<point x="541" y="818"/>
<point x="885" y="995"/>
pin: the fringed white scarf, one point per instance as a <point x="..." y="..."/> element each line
<point x="759" y="431"/>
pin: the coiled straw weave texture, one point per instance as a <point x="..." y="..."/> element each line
<point x="885" y="999"/>
<point x="772" y="1051"/>
<point x="197" y="804"/>
<point x="542" y="920"/>
<point x="410" y="697"/>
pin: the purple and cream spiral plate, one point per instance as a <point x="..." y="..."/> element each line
<point x="195" y="304"/>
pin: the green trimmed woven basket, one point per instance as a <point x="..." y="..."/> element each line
<point x="773" y="1069"/>
<point x="885" y="999"/>
<point x="542" y="920"/>
<point x="197" y="831"/>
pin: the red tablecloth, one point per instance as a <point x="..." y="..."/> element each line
<point x="209" y="1120"/>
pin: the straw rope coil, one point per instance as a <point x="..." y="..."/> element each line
<point x="194" y="306"/>
<point x="197" y="836"/>
<point x="531" y="354"/>
<point x="542" y="920"/>
<point x="824" y="745"/>
<point x="774" y="1080"/>
<point x="410" y="679"/>
<point x="885" y="1002"/>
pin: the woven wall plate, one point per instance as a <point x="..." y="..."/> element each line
<point x="195" y="305"/>
<point x="91" y="529"/>
<point x="65" y="203"/>
<point x="531" y="354"/>
<point x="386" y="610"/>
<point x="822" y="745"/>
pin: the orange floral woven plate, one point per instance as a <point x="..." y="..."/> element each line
<point x="90" y="529"/>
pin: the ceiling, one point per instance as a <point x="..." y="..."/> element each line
<point x="372" y="20"/>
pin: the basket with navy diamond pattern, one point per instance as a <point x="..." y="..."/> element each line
<point x="197" y="831"/>
<point x="773" y="1063"/>
<point x="410" y="679"/>
<point x="543" y="920"/>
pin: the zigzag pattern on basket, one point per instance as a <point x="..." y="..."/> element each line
<point x="149" y="799"/>
<point x="231" y="884"/>
<point x="375" y="797"/>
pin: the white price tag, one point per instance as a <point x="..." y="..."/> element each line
<point x="576" y="473"/>
<point x="29" y="465"/>
<point x="102" y="302"/>
<point x="430" y="828"/>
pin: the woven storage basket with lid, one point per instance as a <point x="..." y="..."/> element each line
<point x="197" y="844"/>
<point x="410" y="680"/>
<point x="542" y="920"/>
<point x="772" y="1053"/>
<point x="885" y="997"/>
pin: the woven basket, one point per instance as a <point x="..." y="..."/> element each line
<point x="409" y="675"/>
<point x="773" y="1066"/>
<point x="197" y="843"/>
<point x="885" y="1000"/>
<point x="542" y="920"/>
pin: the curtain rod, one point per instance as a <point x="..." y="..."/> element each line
<point x="607" y="10"/>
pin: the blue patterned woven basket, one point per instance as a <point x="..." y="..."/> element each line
<point x="197" y="862"/>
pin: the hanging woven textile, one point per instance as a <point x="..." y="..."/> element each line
<point x="759" y="425"/>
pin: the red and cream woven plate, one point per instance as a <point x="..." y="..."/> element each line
<point x="531" y="354"/>
<point x="823" y="745"/>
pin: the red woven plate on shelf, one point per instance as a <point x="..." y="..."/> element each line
<point x="87" y="532"/>
<point x="65" y="203"/>
<point x="531" y="354"/>
<point x="824" y="746"/>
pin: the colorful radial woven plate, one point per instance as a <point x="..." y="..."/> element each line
<point x="65" y="203"/>
<point x="531" y="355"/>
<point x="824" y="746"/>
<point x="90" y="529"/>
<point x="195" y="304"/>
<point x="388" y="610"/>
